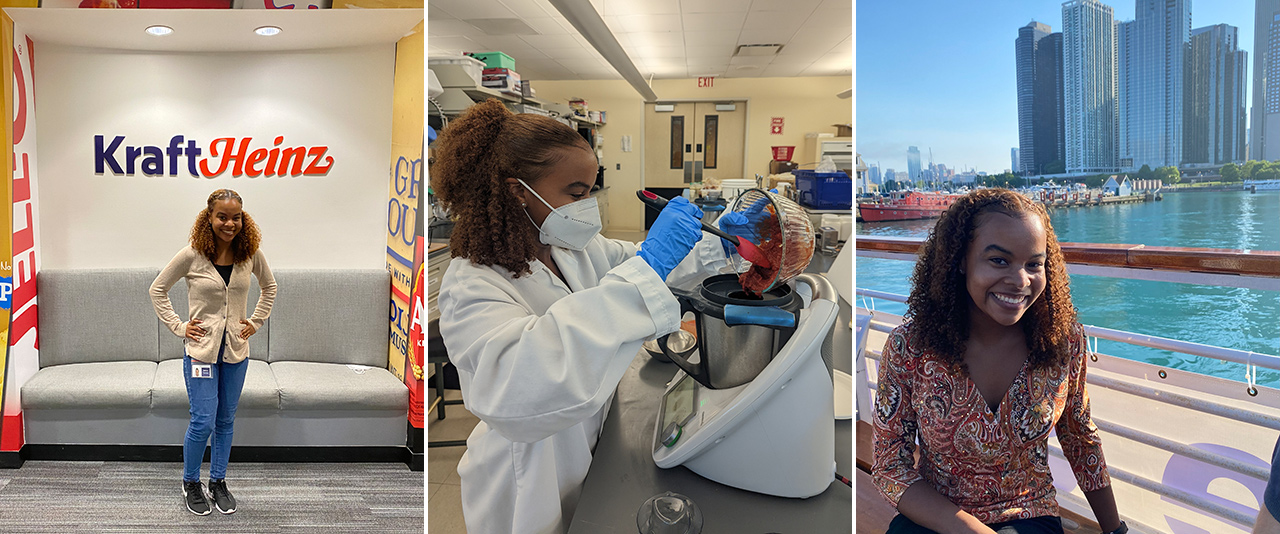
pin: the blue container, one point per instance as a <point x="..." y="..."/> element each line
<point x="824" y="190"/>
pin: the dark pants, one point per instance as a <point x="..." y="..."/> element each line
<point x="1037" y="525"/>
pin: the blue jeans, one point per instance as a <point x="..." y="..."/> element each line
<point x="213" y="411"/>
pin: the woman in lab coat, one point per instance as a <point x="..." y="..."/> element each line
<point x="542" y="315"/>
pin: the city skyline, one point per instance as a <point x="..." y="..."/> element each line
<point x="945" y="77"/>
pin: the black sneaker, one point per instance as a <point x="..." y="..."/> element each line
<point x="196" y="501"/>
<point x="221" y="497"/>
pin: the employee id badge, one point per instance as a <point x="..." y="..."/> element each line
<point x="201" y="370"/>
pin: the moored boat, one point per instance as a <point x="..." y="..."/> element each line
<point x="905" y="207"/>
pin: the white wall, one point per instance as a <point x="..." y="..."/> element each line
<point x="339" y="98"/>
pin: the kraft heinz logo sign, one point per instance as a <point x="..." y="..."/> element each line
<point x="239" y="155"/>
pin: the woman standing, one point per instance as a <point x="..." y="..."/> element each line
<point x="990" y="360"/>
<point x="217" y="264"/>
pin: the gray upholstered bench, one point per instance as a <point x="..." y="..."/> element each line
<point x="111" y="373"/>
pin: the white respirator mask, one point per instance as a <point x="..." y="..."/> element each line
<point x="570" y="226"/>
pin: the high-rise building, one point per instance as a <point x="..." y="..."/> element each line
<point x="913" y="163"/>
<point x="873" y="173"/>
<point x="1160" y="37"/>
<point x="1089" y="85"/>
<point x="1214" y="126"/>
<point x="1025" y="47"/>
<point x="1125" y="93"/>
<point x="1013" y="158"/>
<point x="1264" y="115"/>
<point x="1048" y="108"/>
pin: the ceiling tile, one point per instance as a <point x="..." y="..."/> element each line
<point x="744" y="71"/>
<point x="813" y="43"/>
<point x="570" y="53"/>
<point x="644" y="23"/>
<point x="439" y="14"/>
<point x="722" y="61"/>
<point x="790" y="19"/>
<point x="452" y="28"/>
<point x="766" y="36"/>
<point x="833" y="63"/>
<point x="710" y="38"/>
<point x="711" y="51"/>
<point x="603" y="74"/>
<point x="805" y="6"/>
<point x="527" y="9"/>
<point x="509" y="44"/>
<point x="638" y="7"/>
<point x="751" y="60"/>
<point x="713" y="22"/>
<point x="784" y="68"/>
<point x="471" y="9"/>
<point x="455" y="44"/>
<point x="642" y="41"/>
<point x="825" y="18"/>
<point x="553" y="41"/>
<point x="656" y="52"/>
<point x="715" y="6"/>
<point x="546" y="26"/>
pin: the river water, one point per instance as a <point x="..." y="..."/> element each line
<point x="1244" y="319"/>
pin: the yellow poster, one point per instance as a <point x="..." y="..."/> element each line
<point x="407" y="129"/>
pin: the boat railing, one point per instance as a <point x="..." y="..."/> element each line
<point x="1223" y="267"/>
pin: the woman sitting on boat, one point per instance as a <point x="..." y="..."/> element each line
<point x="989" y="361"/>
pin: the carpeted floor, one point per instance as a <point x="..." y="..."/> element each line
<point x="146" y="497"/>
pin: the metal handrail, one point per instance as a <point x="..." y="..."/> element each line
<point x="1172" y="493"/>
<point x="1143" y="340"/>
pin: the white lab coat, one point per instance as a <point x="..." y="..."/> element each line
<point x="539" y="362"/>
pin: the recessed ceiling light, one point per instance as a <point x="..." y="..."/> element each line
<point x="159" y="30"/>
<point x="267" y="31"/>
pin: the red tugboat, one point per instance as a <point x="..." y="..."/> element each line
<point x="914" y="205"/>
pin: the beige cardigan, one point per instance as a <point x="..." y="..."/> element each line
<point x="216" y="304"/>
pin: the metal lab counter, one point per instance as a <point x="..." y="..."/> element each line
<point x="623" y="474"/>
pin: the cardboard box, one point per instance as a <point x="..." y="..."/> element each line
<point x="844" y="130"/>
<point x="779" y="167"/>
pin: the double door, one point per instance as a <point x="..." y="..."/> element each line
<point x="690" y="142"/>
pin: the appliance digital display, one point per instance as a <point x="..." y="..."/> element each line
<point x="677" y="406"/>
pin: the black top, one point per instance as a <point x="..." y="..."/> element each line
<point x="225" y="271"/>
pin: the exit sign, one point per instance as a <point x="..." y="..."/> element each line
<point x="706" y="81"/>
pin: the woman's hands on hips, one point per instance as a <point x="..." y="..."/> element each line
<point x="194" y="332"/>
<point x="249" y="330"/>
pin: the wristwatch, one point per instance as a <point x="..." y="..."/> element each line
<point x="1122" y="529"/>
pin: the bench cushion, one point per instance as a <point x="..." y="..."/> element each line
<point x="97" y="316"/>
<point x="171" y="346"/>
<point x="170" y="390"/>
<point x="327" y="386"/>
<point x="90" y="385"/>
<point x="331" y="317"/>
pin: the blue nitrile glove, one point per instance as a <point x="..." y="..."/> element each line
<point x="675" y="232"/>
<point x="743" y="224"/>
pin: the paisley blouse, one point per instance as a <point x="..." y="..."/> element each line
<point x="992" y="465"/>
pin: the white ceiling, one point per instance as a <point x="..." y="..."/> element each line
<point x="215" y="30"/>
<point x="665" y="38"/>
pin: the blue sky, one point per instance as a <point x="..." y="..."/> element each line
<point x="940" y="74"/>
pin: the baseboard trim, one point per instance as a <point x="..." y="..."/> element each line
<point x="11" y="460"/>
<point x="173" y="453"/>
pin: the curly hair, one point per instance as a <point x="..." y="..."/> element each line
<point x="475" y="155"/>
<point x="245" y="244"/>
<point x="939" y="301"/>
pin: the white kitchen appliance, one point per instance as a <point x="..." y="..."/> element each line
<point x="771" y="435"/>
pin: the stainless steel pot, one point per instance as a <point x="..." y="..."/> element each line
<point x="737" y="336"/>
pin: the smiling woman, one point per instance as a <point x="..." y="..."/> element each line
<point x="990" y="362"/>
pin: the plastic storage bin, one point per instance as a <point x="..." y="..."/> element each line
<point x="783" y="153"/>
<point x="824" y="190"/>
<point x="473" y="67"/>
<point x="495" y="60"/>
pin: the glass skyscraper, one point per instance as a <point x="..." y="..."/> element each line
<point x="1158" y="41"/>
<point x="913" y="163"/>
<point x="1214" y="125"/>
<point x="1264" y="143"/>
<point x="1089" y="85"/>
<point x="1040" y="108"/>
